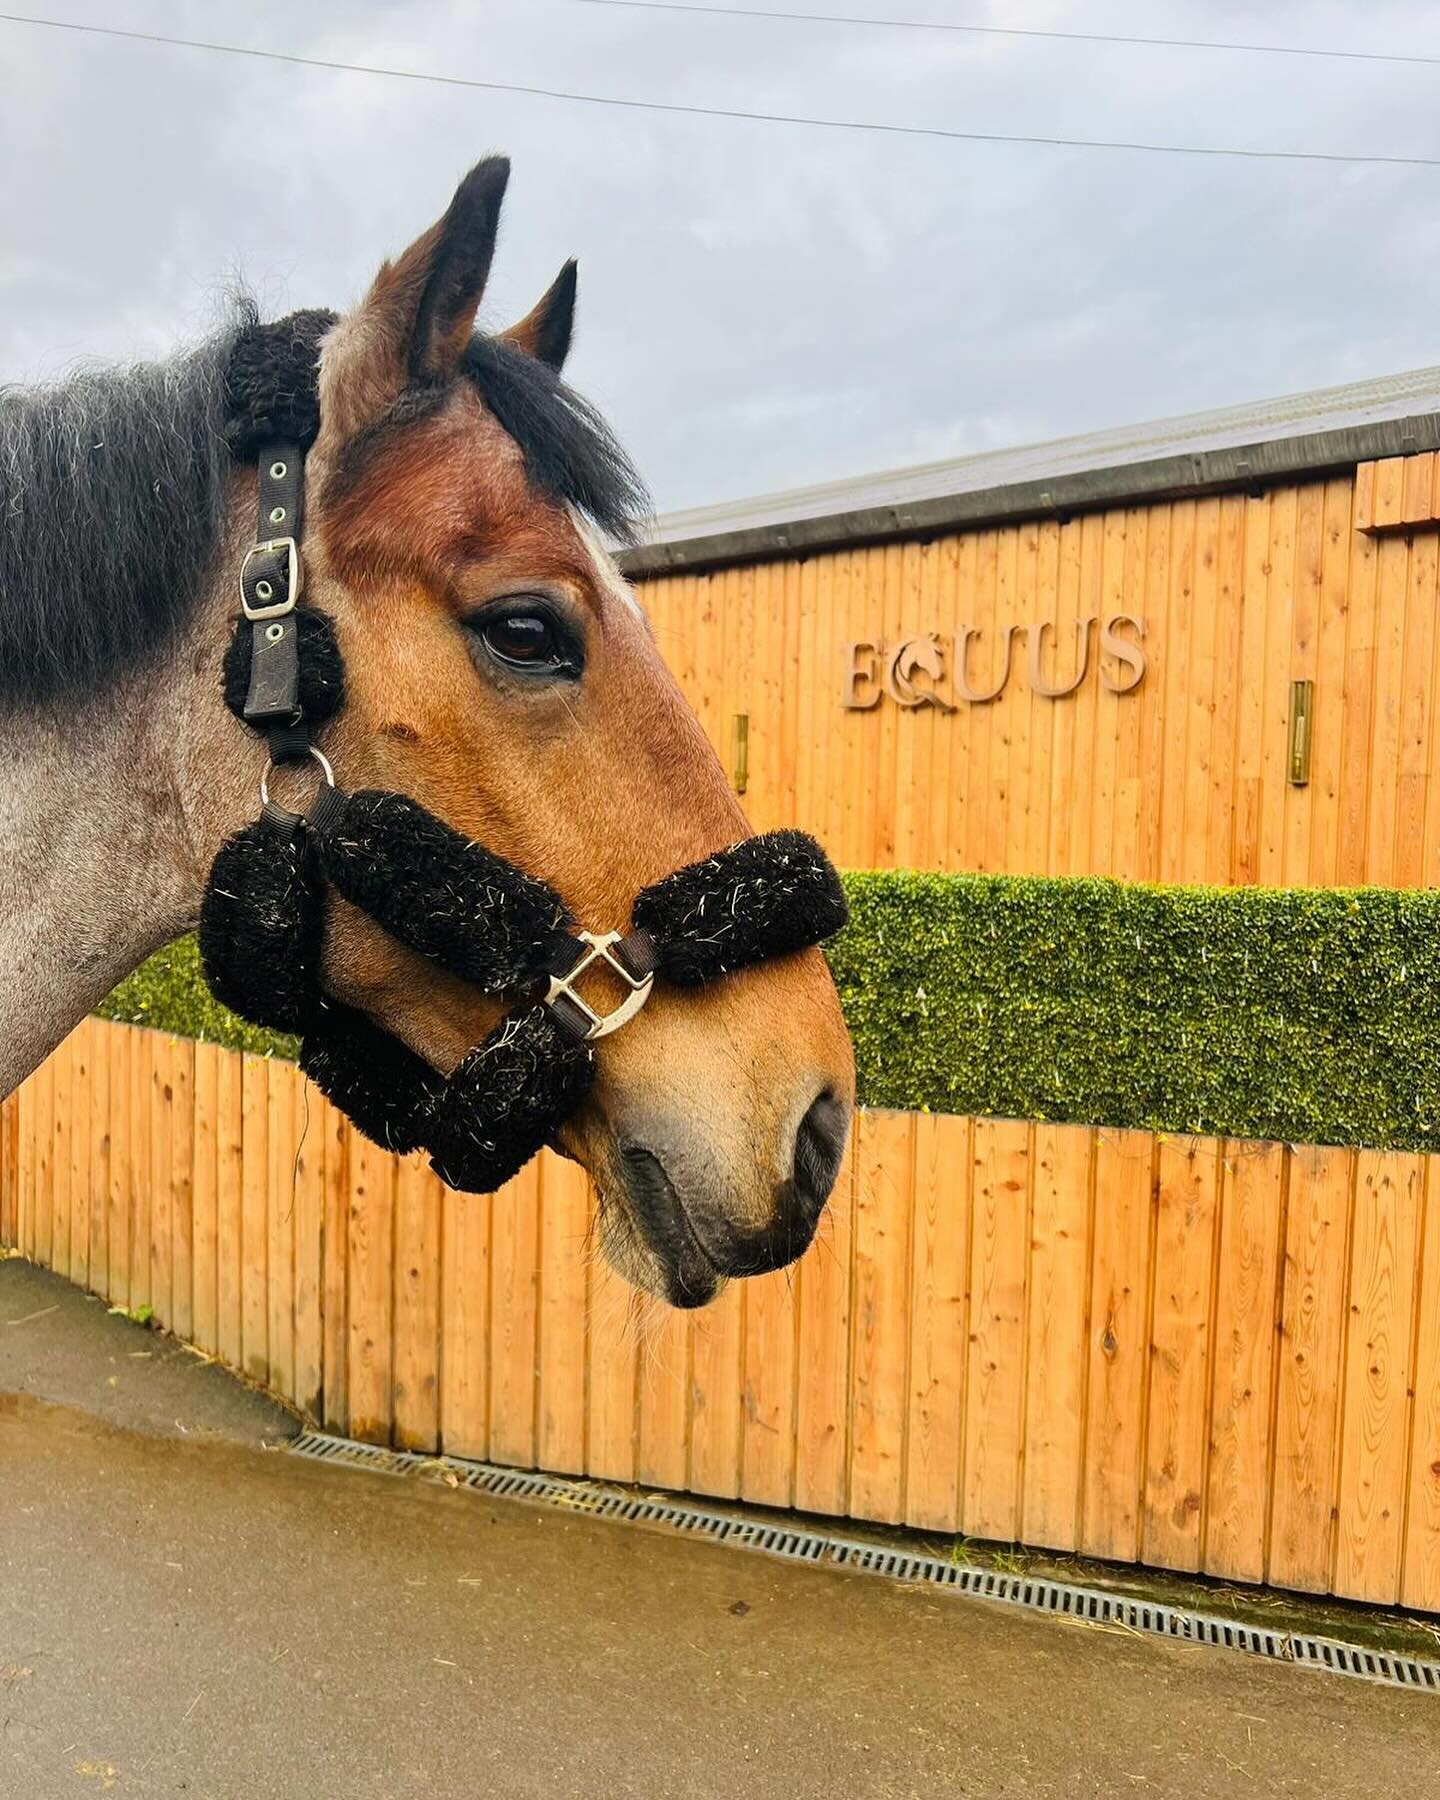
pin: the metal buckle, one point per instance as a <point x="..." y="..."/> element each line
<point x="599" y="949"/>
<point x="294" y="578"/>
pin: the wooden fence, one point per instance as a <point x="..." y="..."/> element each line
<point x="1181" y="1351"/>
<point x="1183" y="779"/>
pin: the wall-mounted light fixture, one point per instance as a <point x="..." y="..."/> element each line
<point x="742" y="752"/>
<point x="1302" y="703"/>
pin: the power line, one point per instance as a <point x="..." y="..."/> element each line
<point x="725" y="112"/>
<point x="1022" y="31"/>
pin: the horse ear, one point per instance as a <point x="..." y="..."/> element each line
<point x="419" y="315"/>
<point x="459" y="270"/>
<point x="546" y="330"/>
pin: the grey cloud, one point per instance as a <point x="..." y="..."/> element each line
<point x="761" y="306"/>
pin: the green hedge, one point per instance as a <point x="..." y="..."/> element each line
<point x="1305" y="1015"/>
<point x="169" y="993"/>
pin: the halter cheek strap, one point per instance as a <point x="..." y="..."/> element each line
<point x="471" y="912"/>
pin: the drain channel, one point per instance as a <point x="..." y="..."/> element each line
<point x="1035" y="1593"/>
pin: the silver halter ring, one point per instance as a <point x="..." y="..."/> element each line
<point x="319" y="756"/>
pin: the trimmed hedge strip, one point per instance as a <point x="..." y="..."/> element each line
<point x="1306" y="1015"/>
<point x="169" y="993"/>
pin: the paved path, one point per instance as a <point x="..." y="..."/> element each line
<point x="183" y="1613"/>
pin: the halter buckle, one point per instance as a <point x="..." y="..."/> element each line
<point x="599" y="947"/>
<point x="294" y="578"/>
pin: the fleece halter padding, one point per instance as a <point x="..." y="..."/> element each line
<point x="477" y="915"/>
<point x="473" y="913"/>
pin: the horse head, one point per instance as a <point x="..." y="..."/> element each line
<point x="501" y="672"/>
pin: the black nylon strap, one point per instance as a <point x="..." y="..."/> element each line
<point x="270" y="569"/>
<point x="274" y="691"/>
<point x="637" y="955"/>
<point x="571" y="1018"/>
<point x="284" y="821"/>
<point x="282" y="493"/>
<point x="326" y="810"/>
<point x="288" y="742"/>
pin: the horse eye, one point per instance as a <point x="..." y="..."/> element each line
<point x="524" y="640"/>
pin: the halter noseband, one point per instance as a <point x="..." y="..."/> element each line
<point x="473" y="913"/>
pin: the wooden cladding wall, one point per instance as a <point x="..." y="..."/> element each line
<point x="1182" y="780"/>
<point x="1192" y="1353"/>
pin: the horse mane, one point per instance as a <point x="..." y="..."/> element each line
<point x="112" y="506"/>
<point x="114" y="499"/>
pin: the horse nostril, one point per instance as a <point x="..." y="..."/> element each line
<point x="819" y="1146"/>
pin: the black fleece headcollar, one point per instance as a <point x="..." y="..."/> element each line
<point x="475" y="914"/>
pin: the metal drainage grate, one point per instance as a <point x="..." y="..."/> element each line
<point x="1093" y="1606"/>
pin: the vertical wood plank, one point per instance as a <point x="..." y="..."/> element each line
<point x="77" y="1262"/>
<point x="464" y="1323"/>
<point x="566" y="1211"/>
<point x="9" y="1171"/>
<point x="715" y="1339"/>
<point x="230" y="1208"/>
<point x="995" y="1382"/>
<point x="335" y="1264"/>
<point x="1328" y="775"/>
<point x="160" y="1252"/>
<point x="417" y="1304"/>
<point x="1312" y="1332"/>
<point x="822" y="1394"/>
<point x="207" y="1246"/>
<point x="254" y="1218"/>
<point x="611" y="1402"/>
<point x="204" y="1196"/>
<point x="662" y="1456"/>
<point x="939" y="1279"/>
<point x="1359" y="701"/>
<point x="1375" y="1400"/>
<point x="1251" y="1226"/>
<point x="371" y="1274"/>
<point x="102" y="1038"/>
<point x="879" y="1322"/>
<point x="1415" y="721"/>
<point x="309" y="1241"/>
<point x="1250" y="708"/>
<point x="1118" y="1347"/>
<point x="182" y="1188"/>
<point x="25" y="1147"/>
<point x="142" y="1117"/>
<point x="1177" y="1433"/>
<point x="515" y="1253"/>
<point x="57" y="1214"/>
<point x="280" y="1135"/>
<point x="1275" y="690"/>
<point x="1304" y="665"/>
<point x="1393" y="556"/>
<point x="118" y="1201"/>
<point x="1224" y="688"/>
<point x="1420" y="1577"/>
<point x="767" y="1405"/>
<point x="1055" y="1326"/>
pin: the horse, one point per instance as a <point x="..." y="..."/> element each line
<point x="461" y="500"/>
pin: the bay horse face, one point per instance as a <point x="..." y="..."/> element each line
<point x="500" y="670"/>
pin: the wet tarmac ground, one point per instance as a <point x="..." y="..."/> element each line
<point x="184" y="1611"/>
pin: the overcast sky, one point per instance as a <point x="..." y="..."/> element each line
<point x="762" y="305"/>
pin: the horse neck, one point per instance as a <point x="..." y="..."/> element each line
<point x="97" y="863"/>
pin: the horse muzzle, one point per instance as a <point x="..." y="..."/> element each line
<point x="680" y="1198"/>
